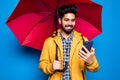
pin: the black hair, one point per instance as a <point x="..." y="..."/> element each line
<point x="67" y="9"/>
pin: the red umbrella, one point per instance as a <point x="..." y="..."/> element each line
<point x="34" y="20"/>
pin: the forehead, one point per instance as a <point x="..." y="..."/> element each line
<point x="69" y="16"/>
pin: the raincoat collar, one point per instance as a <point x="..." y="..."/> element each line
<point x="76" y="39"/>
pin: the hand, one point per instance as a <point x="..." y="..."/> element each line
<point x="57" y="64"/>
<point x="88" y="56"/>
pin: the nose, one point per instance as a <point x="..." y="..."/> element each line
<point x="70" y="22"/>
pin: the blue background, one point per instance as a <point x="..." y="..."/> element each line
<point x="21" y="63"/>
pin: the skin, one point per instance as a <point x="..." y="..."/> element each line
<point x="67" y="26"/>
<point x="88" y="56"/>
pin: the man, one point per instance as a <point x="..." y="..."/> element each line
<point x="67" y="45"/>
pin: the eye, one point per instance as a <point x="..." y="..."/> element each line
<point x="66" y="19"/>
<point x="73" y="20"/>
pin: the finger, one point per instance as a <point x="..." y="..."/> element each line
<point x="57" y="62"/>
<point x="82" y="58"/>
<point x="92" y="49"/>
<point x="82" y="54"/>
<point x="85" y="49"/>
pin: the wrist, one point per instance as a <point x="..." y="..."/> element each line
<point x="88" y="63"/>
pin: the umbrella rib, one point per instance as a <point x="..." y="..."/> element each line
<point x="47" y="18"/>
<point x="47" y="6"/>
<point x="57" y="4"/>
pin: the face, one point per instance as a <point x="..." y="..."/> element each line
<point x="67" y="23"/>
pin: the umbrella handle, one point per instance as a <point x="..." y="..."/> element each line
<point x="56" y="57"/>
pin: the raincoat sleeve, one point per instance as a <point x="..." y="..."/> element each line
<point x="94" y="66"/>
<point x="45" y="65"/>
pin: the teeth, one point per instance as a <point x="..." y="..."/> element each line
<point x="68" y="27"/>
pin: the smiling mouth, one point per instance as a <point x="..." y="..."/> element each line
<point x="69" y="27"/>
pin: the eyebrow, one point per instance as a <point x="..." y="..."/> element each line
<point x="69" y="18"/>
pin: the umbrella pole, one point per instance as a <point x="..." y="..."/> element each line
<point x="56" y="17"/>
<point x="56" y="22"/>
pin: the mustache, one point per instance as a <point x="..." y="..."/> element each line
<point x="68" y="25"/>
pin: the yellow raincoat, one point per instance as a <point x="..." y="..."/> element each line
<point x="76" y="64"/>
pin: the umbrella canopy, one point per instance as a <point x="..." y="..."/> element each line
<point x="35" y="20"/>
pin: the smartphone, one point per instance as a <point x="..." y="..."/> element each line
<point x="88" y="45"/>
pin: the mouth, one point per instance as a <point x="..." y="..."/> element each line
<point x="69" y="27"/>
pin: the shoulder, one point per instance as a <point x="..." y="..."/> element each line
<point x="49" y="43"/>
<point x="80" y="35"/>
<point x="49" y="40"/>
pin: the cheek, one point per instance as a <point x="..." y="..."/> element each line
<point x="73" y="23"/>
<point x="64" y="23"/>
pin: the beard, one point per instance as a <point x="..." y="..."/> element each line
<point x="67" y="31"/>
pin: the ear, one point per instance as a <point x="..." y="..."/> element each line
<point x="59" y="20"/>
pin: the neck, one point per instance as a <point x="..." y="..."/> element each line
<point x="65" y="35"/>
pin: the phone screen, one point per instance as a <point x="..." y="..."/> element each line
<point x="88" y="45"/>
